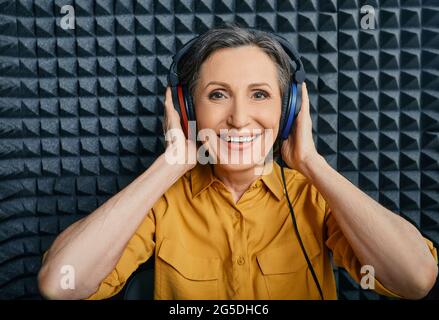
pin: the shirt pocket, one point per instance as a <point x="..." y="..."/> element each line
<point x="286" y="272"/>
<point x="184" y="275"/>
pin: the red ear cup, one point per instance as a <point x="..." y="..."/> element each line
<point x="188" y="103"/>
<point x="183" y="110"/>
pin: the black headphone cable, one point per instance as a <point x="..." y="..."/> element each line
<point x="316" y="281"/>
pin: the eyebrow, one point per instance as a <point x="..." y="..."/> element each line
<point x="257" y="84"/>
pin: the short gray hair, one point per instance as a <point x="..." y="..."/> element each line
<point x="232" y="35"/>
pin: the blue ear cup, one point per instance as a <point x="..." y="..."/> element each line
<point x="292" y="106"/>
<point x="292" y="100"/>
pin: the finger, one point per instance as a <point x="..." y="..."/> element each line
<point x="168" y="94"/>
<point x="169" y="106"/>
<point x="172" y="118"/>
<point x="305" y="98"/>
<point x="304" y="108"/>
<point x="168" y="100"/>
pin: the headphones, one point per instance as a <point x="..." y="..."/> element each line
<point x="291" y="99"/>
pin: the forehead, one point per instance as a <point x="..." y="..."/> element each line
<point x="239" y="65"/>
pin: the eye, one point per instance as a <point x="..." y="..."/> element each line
<point x="261" y="94"/>
<point x="216" y="95"/>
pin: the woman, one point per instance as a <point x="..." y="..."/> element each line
<point x="224" y="230"/>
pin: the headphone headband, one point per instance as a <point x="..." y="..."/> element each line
<point x="299" y="73"/>
<point x="173" y="69"/>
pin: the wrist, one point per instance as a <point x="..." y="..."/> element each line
<point x="312" y="166"/>
<point x="174" y="169"/>
<point x="177" y="162"/>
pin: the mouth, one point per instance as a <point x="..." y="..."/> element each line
<point x="239" y="139"/>
<point x="239" y="142"/>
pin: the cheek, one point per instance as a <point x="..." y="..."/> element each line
<point x="269" y="117"/>
<point x="210" y="116"/>
<point x="207" y="119"/>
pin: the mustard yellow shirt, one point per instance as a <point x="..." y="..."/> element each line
<point x="208" y="247"/>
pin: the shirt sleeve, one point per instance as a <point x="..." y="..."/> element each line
<point x="344" y="255"/>
<point x="138" y="249"/>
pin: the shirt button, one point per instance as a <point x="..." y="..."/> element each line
<point x="237" y="215"/>
<point x="241" y="260"/>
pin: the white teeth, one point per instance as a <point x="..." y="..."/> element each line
<point x="240" y="139"/>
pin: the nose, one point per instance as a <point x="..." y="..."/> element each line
<point x="239" y="116"/>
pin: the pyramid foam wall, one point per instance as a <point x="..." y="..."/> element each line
<point x="81" y="109"/>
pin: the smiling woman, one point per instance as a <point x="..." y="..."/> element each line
<point x="226" y="230"/>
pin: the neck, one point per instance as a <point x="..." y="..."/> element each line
<point x="237" y="182"/>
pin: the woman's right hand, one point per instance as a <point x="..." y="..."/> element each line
<point x="179" y="150"/>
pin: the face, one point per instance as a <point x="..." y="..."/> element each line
<point x="238" y="106"/>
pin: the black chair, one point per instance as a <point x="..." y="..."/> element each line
<point x="140" y="285"/>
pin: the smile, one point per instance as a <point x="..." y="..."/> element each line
<point x="239" y="139"/>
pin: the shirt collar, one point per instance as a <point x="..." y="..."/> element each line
<point x="273" y="179"/>
<point x="202" y="177"/>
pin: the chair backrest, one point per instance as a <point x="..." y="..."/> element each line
<point x="141" y="286"/>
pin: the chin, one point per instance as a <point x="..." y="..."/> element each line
<point x="236" y="160"/>
<point x="237" y="167"/>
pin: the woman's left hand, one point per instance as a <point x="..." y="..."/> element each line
<point x="299" y="149"/>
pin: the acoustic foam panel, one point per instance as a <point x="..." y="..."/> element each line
<point x="81" y="109"/>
